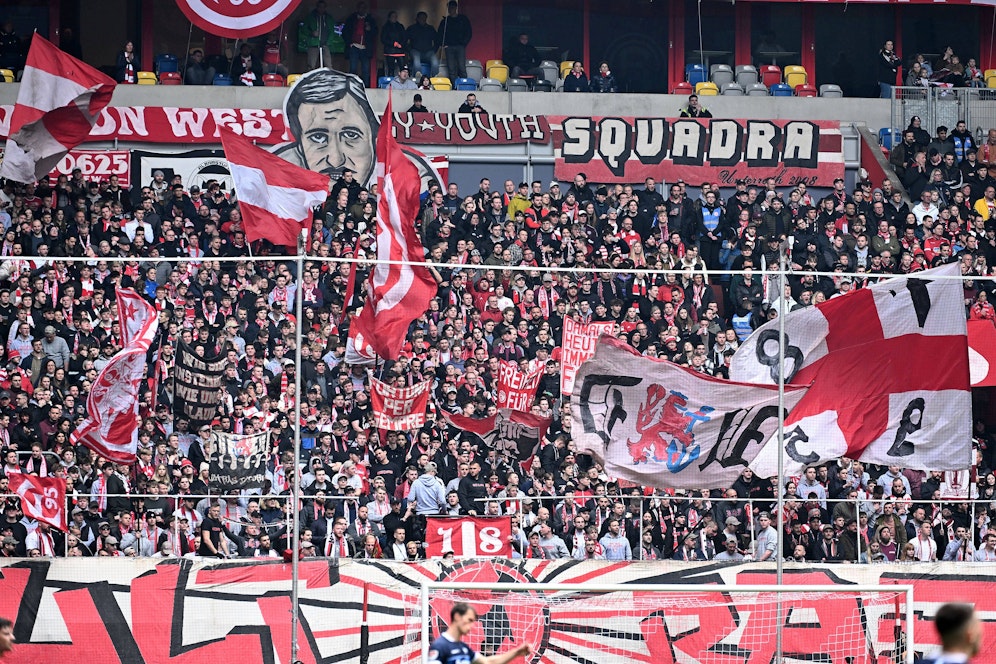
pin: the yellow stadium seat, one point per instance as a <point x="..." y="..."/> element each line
<point x="990" y="78"/>
<point x="706" y="89"/>
<point x="565" y="68"/>
<point x="440" y="83"/>
<point x="491" y="63"/>
<point x="146" y="78"/>
<point x="795" y="75"/>
<point x="8" y="75"/>
<point x="292" y="79"/>
<point x="499" y="73"/>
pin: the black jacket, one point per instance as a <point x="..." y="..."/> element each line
<point x="455" y="31"/>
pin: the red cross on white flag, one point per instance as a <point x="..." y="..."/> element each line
<point x="889" y="371"/>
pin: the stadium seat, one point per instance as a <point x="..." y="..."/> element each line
<point x="990" y="77"/>
<point x="465" y="84"/>
<point x="887" y="137"/>
<point x="516" y="85"/>
<point x="146" y="78"/>
<point x="805" y="90"/>
<point x="771" y="74"/>
<point x="781" y="90"/>
<point x="746" y="75"/>
<point x="167" y="62"/>
<point x="443" y="70"/>
<point x="222" y="79"/>
<point x="795" y="75"/>
<point x="440" y="83"/>
<point x="7" y="75"/>
<point x="384" y="82"/>
<point x="475" y="70"/>
<point x="273" y="81"/>
<point x="721" y="75"/>
<point x="292" y="79"/>
<point x="543" y="85"/>
<point x="489" y="85"/>
<point x="170" y="78"/>
<point x="706" y="89"/>
<point x="695" y="74"/>
<point x="732" y="90"/>
<point x="565" y="68"/>
<point x="425" y="68"/>
<point x="498" y="72"/>
<point x="491" y="63"/>
<point x="683" y="88"/>
<point x="757" y="90"/>
<point x="549" y="69"/>
<point x="831" y="90"/>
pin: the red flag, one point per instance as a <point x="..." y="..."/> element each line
<point x="42" y="498"/>
<point x="111" y="426"/>
<point x="57" y="105"/>
<point x="397" y="294"/>
<point x="135" y="315"/>
<point x="236" y="20"/>
<point x="276" y="198"/>
<point x="508" y="431"/>
<point x="399" y="408"/>
<point x="517" y="390"/>
<point x="358" y="349"/>
<point x="982" y="352"/>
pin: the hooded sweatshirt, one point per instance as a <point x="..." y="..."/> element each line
<point x="427" y="494"/>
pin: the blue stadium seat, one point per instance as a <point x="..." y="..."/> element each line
<point x="425" y="68"/>
<point x="384" y="82"/>
<point x="222" y="79"/>
<point x="887" y="137"/>
<point x="781" y="90"/>
<point x="695" y="74"/>
<point x="167" y="63"/>
<point x="466" y="84"/>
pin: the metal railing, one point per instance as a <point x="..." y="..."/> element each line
<point x="936" y="106"/>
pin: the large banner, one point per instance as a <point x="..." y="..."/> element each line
<point x="516" y="390"/>
<point x="578" y="346"/>
<point x="659" y="424"/>
<point x="196" y="167"/>
<point x="100" y="610"/>
<point x="197" y="384"/>
<point x="509" y="432"/>
<point x="399" y="408"/>
<point x="238" y="461"/>
<point x="626" y="149"/>
<point x="468" y="536"/>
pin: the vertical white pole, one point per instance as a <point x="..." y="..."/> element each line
<point x="296" y="490"/>
<point x="910" y="619"/>
<point x="426" y="636"/>
<point x="779" y="490"/>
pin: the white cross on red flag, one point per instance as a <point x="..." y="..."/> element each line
<point x="42" y="498"/>
<point x="889" y="372"/>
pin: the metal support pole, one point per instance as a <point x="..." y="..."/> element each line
<point x="296" y="490"/>
<point x="857" y="518"/>
<point x="779" y="563"/>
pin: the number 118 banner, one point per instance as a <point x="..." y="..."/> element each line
<point x="468" y="536"/>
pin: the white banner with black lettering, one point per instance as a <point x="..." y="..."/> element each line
<point x="662" y="425"/>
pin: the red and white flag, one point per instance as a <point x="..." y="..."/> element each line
<point x="578" y="347"/>
<point x="57" y="105"/>
<point x="517" y="390"/>
<point x="111" y="426"/>
<point x="235" y="19"/>
<point x="510" y="432"/>
<point x="135" y="315"/>
<point x="399" y="408"/>
<point x="42" y="498"/>
<point x="889" y="371"/>
<point x="982" y="352"/>
<point x="276" y="198"/>
<point x="397" y="294"/>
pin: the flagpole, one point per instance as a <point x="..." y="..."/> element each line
<point x="779" y="543"/>
<point x="296" y="490"/>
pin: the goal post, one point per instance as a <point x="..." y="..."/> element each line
<point x="664" y="623"/>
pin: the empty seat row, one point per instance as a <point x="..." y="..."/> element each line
<point x="709" y="88"/>
<point x="745" y="75"/>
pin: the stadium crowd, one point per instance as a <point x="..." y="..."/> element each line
<point x="367" y="492"/>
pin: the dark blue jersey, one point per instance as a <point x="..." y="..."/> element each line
<point x="446" y="651"/>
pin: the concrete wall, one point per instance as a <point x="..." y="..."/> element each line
<point x="871" y="112"/>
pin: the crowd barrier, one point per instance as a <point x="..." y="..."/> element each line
<point x="138" y="612"/>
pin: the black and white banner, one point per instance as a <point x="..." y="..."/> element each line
<point x="196" y="385"/>
<point x="238" y="461"/>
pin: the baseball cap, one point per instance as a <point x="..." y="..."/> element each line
<point x="111" y="541"/>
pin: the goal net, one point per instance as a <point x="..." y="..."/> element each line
<point x="671" y="624"/>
